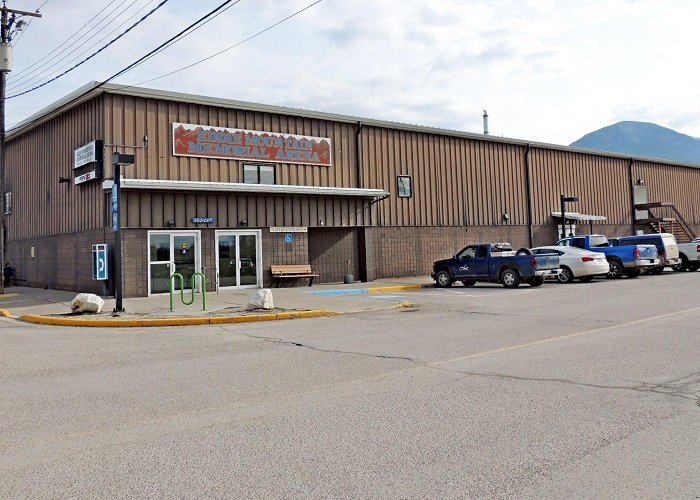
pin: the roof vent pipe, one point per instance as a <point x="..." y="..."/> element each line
<point x="486" y="123"/>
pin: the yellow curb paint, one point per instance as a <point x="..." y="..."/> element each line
<point x="122" y="323"/>
<point x="7" y="313"/>
<point x="7" y="295"/>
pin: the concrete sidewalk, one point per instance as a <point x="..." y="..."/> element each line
<point x="53" y="306"/>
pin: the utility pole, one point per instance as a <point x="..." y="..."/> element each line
<point x="7" y="19"/>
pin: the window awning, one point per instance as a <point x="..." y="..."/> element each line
<point x="238" y="187"/>
<point x="578" y="216"/>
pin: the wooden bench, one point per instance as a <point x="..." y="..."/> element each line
<point x="292" y="271"/>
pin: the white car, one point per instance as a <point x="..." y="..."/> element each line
<point x="576" y="263"/>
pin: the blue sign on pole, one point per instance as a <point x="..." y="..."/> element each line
<point x="99" y="262"/>
<point x="115" y="208"/>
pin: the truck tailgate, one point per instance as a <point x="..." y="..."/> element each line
<point x="547" y="261"/>
<point x="647" y="252"/>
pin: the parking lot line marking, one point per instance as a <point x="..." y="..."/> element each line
<point x="563" y="337"/>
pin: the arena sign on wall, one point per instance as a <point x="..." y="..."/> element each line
<point x="238" y="144"/>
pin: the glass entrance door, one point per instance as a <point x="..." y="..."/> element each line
<point x="238" y="259"/>
<point x="172" y="252"/>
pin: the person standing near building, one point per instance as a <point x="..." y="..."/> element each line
<point x="7" y="273"/>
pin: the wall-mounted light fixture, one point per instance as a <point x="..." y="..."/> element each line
<point x="640" y="182"/>
<point x="322" y="222"/>
<point x="63" y="179"/>
<point x="170" y="223"/>
<point x="243" y="223"/>
<point x="506" y="216"/>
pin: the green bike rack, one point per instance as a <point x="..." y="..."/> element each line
<point x="171" y="284"/>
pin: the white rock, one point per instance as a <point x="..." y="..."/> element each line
<point x="87" y="302"/>
<point x="262" y="299"/>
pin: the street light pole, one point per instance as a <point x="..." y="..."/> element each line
<point x="562" y="200"/>
<point x="118" y="160"/>
<point x="5" y="67"/>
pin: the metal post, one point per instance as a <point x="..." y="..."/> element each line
<point x="563" y="216"/>
<point x="118" y="160"/>
<point x="3" y="79"/>
<point x="118" y="243"/>
<point x="562" y="200"/>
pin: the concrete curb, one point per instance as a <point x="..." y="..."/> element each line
<point x="209" y="320"/>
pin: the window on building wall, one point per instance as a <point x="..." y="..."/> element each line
<point x="405" y="186"/>
<point x="258" y="173"/>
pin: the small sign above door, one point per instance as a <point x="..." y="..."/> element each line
<point x="289" y="229"/>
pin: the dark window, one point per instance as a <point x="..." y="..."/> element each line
<point x="405" y="186"/>
<point x="258" y="173"/>
<point x="482" y="252"/>
<point x="579" y="242"/>
<point x="467" y="253"/>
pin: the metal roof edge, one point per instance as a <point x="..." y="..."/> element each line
<point x="78" y="96"/>
<point x="95" y="88"/>
<point x="279" y="189"/>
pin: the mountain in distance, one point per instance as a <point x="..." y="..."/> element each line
<point x="643" y="139"/>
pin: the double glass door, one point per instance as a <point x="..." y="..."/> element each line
<point x="172" y="252"/>
<point x="238" y="259"/>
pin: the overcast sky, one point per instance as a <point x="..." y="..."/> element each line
<point x="548" y="71"/>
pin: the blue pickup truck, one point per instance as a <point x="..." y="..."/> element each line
<point x="623" y="260"/>
<point x="496" y="263"/>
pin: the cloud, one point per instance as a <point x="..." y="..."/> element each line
<point x="546" y="70"/>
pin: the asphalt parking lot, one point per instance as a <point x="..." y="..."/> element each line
<point x="559" y="391"/>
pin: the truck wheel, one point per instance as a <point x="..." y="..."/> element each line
<point x="442" y="279"/>
<point x="469" y="282"/>
<point x="510" y="278"/>
<point x="633" y="273"/>
<point x="682" y="266"/>
<point x="565" y="276"/>
<point x="536" y="281"/>
<point x="616" y="270"/>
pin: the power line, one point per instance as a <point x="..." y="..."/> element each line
<point x="175" y="40"/>
<point x="196" y="23"/>
<point x="231" y="47"/>
<point x="32" y="80"/>
<point x="46" y="56"/>
<point x="168" y="42"/>
<point x="163" y="2"/>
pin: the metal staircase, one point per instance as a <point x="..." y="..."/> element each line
<point x="665" y="218"/>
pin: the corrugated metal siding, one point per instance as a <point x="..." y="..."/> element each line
<point x="154" y="210"/>
<point x="677" y="185"/>
<point x="601" y="185"/>
<point x="35" y="161"/>
<point x="128" y="118"/>
<point x="455" y="181"/>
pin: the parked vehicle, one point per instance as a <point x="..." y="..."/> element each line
<point x="494" y="262"/>
<point x="629" y="260"/>
<point x="576" y="263"/>
<point x="689" y="254"/>
<point x="665" y="244"/>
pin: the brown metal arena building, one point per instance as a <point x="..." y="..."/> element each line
<point x="230" y="188"/>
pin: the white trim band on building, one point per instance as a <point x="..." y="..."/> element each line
<point x="578" y="216"/>
<point x="238" y="187"/>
